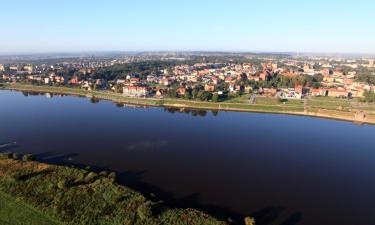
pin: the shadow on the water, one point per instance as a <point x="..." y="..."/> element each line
<point x="294" y="219"/>
<point x="134" y="180"/>
<point x="53" y="158"/>
<point x="267" y="215"/>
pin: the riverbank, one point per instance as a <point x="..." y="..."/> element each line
<point x="70" y="195"/>
<point x="332" y="109"/>
<point x="13" y="211"/>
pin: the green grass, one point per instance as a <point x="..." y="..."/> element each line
<point x="80" y="197"/>
<point x="329" y="103"/>
<point x="14" y="212"/>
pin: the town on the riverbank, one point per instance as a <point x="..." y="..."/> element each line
<point x="205" y="77"/>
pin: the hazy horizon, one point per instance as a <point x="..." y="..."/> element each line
<point x="319" y="27"/>
<point x="105" y="53"/>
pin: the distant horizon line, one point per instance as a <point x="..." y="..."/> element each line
<point x="305" y="53"/>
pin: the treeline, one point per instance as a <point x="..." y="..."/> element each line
<point x="196" y="93"/>
<point x="277" y="81"/>
<point x="369" y="96"/>
<point x="366" y="77"/>
<point x="120" y="71"/>
<point x="143" y="69"/>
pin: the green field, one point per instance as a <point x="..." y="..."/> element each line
<point x="15" y="212"/>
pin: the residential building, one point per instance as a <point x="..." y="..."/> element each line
<point x="136" y="91"/>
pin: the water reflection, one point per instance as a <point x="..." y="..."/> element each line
<point x="94" y="100"/>
<point x="36" y="93"/>
<point x="193" y="112"/>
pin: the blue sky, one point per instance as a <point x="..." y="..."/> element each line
<point x="216" y="25"/>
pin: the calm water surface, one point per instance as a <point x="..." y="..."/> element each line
<point x="284" y="170"/>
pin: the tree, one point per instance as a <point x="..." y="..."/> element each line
<point x="187" y="95"/>
<point x="195" y="93"/>
<point x="316" y="85"/>
<point x="172" y="93"/>
<point x="223" y="86"/>
<point x="366" y="77"/>
<point x="215" y="97"/>
<point x="369" y="96"/>
<point x="204" y="95"/>
<point x="118" y="88"/>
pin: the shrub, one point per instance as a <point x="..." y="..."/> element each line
<point x="284" y="100"/>
<point x="249" y="221"/>
<point x="103" y="173"/>
<point x="16" y="176"/>
<point x="90" y="177"/>
<point x="6" y="155"/>
<point x="112" y="176"/>
<point x="61" y="184"/>
<point x="79" y="178"/>
<point x="15" y="156"/>
<point x="144" y="211"/>
<point x="28" y="158"/>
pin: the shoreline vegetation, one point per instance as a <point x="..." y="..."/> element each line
<point x="13" y="211"/>
<point x="322" y="107"/>
<point x="41" y="193"/>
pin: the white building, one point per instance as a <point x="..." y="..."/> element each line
<point x="371" y="63"/>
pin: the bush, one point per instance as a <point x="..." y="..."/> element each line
<point x="90" y="177"/>
<point x="28" y="158"/>
<point x="79" y="178"/>
<point x="103" y="173"/>
<point x="215" y="97"/>
<point x="6" y="155"/>
<point x="144" y="211"/>
<point x="15" y="156"/>
<point x="369" y="96"/>
<point x="249" y="221"/>
<point x="61" y="184"/>
<point x="112" y="176"/>
<point x="16" y="176"/>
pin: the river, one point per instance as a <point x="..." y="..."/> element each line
<point x="282" y="169"/>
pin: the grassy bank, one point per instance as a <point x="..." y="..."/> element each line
<point x="77" y="196"/>
<point x="317" y="106"/>
<point x="15" y="212"/>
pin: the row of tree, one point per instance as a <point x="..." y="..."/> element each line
<point x="369" y="96"/>
<point x="196" y="93"/>
<point x="277" y="81"/>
